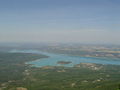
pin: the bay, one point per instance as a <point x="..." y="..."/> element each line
<point x="53" y="59"/>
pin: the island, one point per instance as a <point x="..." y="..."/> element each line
<point x="63" y="62"/>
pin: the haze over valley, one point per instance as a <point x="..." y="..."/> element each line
<point x="59" y="45"/>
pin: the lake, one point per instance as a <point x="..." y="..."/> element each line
<point x="53" y="59"/>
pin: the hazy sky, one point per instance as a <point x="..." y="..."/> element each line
<point x="82" y="21"/>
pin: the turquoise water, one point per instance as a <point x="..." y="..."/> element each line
<point x="54" y="58"/>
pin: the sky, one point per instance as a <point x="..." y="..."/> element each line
<point x="75" y="21"/>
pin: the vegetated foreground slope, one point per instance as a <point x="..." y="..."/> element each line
<point x="16" y="75"/>
<point x="12" y="65"/>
